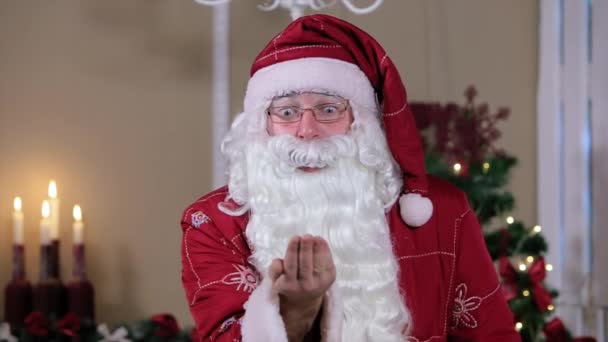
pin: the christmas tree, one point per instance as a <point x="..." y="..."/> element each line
<point x="459" y="145"/>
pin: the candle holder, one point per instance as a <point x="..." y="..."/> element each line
<point x="55" y="265"/>
<point x="81" y="295"/>
<point x="49" y="294"/>
<point x="18" y="292"/>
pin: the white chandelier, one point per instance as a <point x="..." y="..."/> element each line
<point x="297" y="7"/>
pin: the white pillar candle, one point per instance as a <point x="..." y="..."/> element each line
<point x="17" y="222"/>
<point x="45" y="224"/>
<point x="78" y="225"/>
<point x="54" y="213"/>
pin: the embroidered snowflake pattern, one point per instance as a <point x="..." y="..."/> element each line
<point x="199" y="218"/>
<point x="463" y="307"/>
<point x="244" y="278"/>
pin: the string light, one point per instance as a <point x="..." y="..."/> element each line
<point x="518" y="326"/>
<point x="526" y="293"/>
<point x="549" y="267"/>
<point x="537" y="229"/>
<point x="457" y="167"/>
<point x="530" y="259"/>
<point x="522" y="267"/>
<point x="486" y="167"/>
<point x="510" y="220"/>
<point x="550" y="307"/>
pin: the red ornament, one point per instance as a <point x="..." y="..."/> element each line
<point x="537" y="274"/>
<point x="505" y="238"/>
<point x="36" y="324"/>
<point x="166" y="325"/>
<point x="509" y="278"/>
<point x="69" y="325"/>
<point x="555" y="331"/>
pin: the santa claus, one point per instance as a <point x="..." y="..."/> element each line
<point x="329" y="228"/>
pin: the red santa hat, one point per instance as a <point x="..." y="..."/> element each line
<point x="323" y="53"/>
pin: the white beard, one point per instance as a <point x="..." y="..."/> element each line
<point x="344" y="203"/>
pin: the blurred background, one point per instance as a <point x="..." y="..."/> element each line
<point x="113" y="100"/>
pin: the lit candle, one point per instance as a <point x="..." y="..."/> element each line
<point x="45" y="224"/>
<point x="78" y="225"/>
<point x="54" y="213"/>
<point x="17" y="222"/>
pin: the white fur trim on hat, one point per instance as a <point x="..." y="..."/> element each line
<point x="309" y="74"/>
<point x="262" y="321"/>
<point x="415" y="210"/>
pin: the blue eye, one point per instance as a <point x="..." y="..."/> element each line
<point x="329" y="109"/>
<point x="286" y="112"/>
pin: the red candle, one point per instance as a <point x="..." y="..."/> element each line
<point x="18" y="292"/>
<point x="49" y="294"/>
<point x="81" y="295"/>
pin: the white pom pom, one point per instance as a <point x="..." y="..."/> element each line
<point x="415" y="210"/>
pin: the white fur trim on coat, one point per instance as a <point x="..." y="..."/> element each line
<point x="262" y="321"/>
<point x="333" y="316"/>
<point x="309" y="74"/>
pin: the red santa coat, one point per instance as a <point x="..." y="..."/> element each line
<point x="448" y="278"/>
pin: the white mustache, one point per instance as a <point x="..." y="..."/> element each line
<point x="317" y="153"/>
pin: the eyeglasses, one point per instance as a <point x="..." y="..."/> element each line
<point x="323" y="113"/>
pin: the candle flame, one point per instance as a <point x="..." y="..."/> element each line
<point x="52" y="189"/>
<point x="77" y="213"/>
<point x="46" y="209"/>
<point x="17" y="203"/>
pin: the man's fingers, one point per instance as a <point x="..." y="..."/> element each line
<point x="306" y="258"/>
<point x="290" y="263"/>
<point x="280" y="283"/>
<point x="276" y="269"/>
<point x="323" y="263"/>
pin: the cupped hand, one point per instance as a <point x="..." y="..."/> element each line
<point x="306" y="272"/>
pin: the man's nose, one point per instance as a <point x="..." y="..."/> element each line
<point x="309" y="126"/>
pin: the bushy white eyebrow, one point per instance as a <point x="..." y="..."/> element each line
<point x="293" y="94"/>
